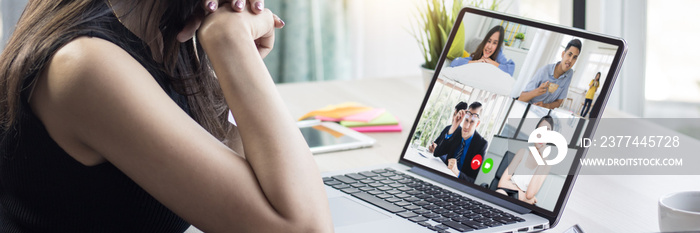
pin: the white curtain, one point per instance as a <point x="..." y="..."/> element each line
<point x="314" y="44"/>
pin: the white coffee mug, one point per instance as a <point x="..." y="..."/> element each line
<point x="680" y="211"/>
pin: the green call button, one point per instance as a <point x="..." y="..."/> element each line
<point x="488" y="164"/>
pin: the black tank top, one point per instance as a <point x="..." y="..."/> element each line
<point x="43" y="189"/>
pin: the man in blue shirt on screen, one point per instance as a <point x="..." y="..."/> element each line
<point x="465" y="148"/>
<point x="550" y="85"/>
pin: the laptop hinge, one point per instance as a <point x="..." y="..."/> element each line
<point x="472" y="191"/>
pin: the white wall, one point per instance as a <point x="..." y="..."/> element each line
<point x="551" y="11"/>
<point x="671" y="68"/>
<point x="388" y="48"/>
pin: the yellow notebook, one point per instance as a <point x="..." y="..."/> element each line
<point x="338" y="111"/>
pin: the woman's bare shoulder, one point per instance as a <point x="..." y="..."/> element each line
<point x="83" y="68"/>
<point x="85" y="55"/>
<point x="76" y="79"/>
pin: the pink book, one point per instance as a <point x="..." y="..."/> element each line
<point x="325" y="118"/>
<point x="360" y="117"/>
<point x="376" y="129"/>
<point x="365" y="116"/>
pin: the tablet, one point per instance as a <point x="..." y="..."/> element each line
<point x="323" y="137"/>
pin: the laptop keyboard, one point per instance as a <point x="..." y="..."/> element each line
<point x="420" y="201"/>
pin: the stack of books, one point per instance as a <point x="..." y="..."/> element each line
<point x="357" y="117"/>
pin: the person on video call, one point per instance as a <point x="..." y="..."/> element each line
<point x="549" y="87"/>
<point x="523" y="178"/>
<point x="489" y="51"/>
<point x="476" y="108"/>
<point x="113" y="118"/>
<point x="592" y="88"/>
<point x="462" y="146"/>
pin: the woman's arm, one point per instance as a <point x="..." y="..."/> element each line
<point x="536" y="182"/>
<point x="505" y="64"/>
<point x="273" y="144"/>
<point x="489" y="61"/>
<point x="461" y="61"/>
<point x="505" y="178"/>
<point x="475" y="61"/>
<point x="508" y="173"/>
<point x="96" y="101"/>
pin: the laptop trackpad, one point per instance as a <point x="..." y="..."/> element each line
<point x="348" y="212"/>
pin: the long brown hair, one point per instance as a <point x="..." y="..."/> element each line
<point x="46" y="25"/>
<point x="480" y="50"/>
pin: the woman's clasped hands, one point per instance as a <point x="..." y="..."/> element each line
<point x="225" y="22"/>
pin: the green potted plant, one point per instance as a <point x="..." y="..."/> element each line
<point x="432" y="26"/>
<point x="519" y="38"/>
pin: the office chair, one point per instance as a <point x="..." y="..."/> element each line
<point x="499" y="172"/>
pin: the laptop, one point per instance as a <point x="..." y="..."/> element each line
<point x="496" y="144"/>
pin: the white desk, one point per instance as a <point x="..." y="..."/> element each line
<point x="598" y="203"/>
<point x="401" y="97"/>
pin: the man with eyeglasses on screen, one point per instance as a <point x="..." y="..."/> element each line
<point x="475" y="108"/>
<point x="465" y="148"/>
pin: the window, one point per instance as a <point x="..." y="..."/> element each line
<point x="672" y="79"/>
<point x="553" y="11"/>
<point x="597" y="62"/>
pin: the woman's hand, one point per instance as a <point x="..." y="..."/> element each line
<point x="488" y="60"/>
<point x="523" y="198"/>
<point x="256" y="6"/>
<point x="485" y="60"/>
<point x="225" y="28"/>
<point x="210" y="6"/>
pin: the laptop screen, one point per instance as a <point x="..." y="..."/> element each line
<point x="511" y="101"/>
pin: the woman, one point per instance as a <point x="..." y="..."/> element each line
<point x="523" y="177"/>
<point x="113" y="121"/>
<point x="592" y="88"/>
<point x="489" y="51"/>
